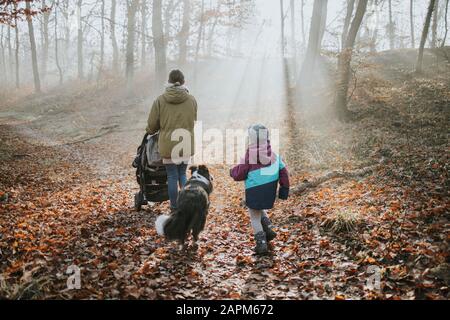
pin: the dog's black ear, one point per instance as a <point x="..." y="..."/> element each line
<point x="193" y="169"/>
<point x="204" y="171"/>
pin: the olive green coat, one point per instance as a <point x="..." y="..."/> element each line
<point x="175" y="109"/>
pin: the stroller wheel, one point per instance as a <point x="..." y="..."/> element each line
<point x="138" y="201"/>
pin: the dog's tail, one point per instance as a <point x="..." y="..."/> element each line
<point x="178" y="225"/>
<point x="160" y="223"/>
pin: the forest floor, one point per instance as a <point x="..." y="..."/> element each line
<point x="67" y="186"/>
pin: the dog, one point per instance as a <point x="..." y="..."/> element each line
<point x="192" y="208"/>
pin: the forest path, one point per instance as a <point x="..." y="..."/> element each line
<point x="64" y="204"/>
<point x="73" y="204"/>
<point x="65" y="211"/>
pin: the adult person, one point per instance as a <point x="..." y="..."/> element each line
<point x="173" y="114"/>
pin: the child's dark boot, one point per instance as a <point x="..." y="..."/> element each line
<point x="261" y="243"/>
<point x="268" y="228"/>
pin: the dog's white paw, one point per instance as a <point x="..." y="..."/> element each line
<point x="160" y="223"/>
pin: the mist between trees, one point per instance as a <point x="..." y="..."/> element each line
<point x="49" y="42"/>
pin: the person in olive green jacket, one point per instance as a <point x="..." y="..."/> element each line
<point x="173" y="114"/>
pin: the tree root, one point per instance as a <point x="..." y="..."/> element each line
<point x="103" y="131"/>
<point x="302" y="187"/>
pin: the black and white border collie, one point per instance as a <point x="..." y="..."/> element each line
<point x="192" y="208"/>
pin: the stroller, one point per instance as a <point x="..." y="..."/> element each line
<point x="150" y="173"/>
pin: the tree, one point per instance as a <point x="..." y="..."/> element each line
<point x="302" y="17"/>
<point x="323" y="22"/>
<point x="58" y="65"/>
<point x="348" y="18"/>
<point x="3" y="55"/>
<point x="411" y="21"/>
<point x="293" y="37"/>
<point x="143" y="33"/>
<point x="391" y="28"/>
<point x="200" y="32"/>
<point x="315" y="38"/>
<point x="168" y="13"/>
<point x="345" y="58"/>
<point x="446" y="25"/>
<point x="213" y="27"/>
<point x="45" y="38"/>
<point x="374" y="37"/>
<point x="10" y="51"/>
<point x="102" y="39"/>
<point x="159" y="44"/>
<point x="131" y="31"/>
<point x="115" y="60"/>
<point x="37" y="81"/>
<point x="426" y="28"/>
<point x="11" y="11"/>
<point x="183" y="36"/>
<point x="80" y="41"/>
<point x="435" y="25"/>
<point x="17" y="46"/>
<point x="64" y="7"/>
<point x="283" y="40"/>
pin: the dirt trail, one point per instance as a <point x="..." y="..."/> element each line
<point x="95" y="227"/>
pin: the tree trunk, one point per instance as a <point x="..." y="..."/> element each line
<point x="200" y="33"/>
<point x="167" y="21"/>
<point x="67" y="41"/>
<point x="293" y="38"/>
<point x="80" y="42"/>
<point x="102" y="41"/>
<point x="143" y="33"/>
<point x="3" y="58"/>
<point x="184" y="33"/>
<point x="374" y="38"/>
<point x="345" y="58"/>
<point x="213" y="29"/>
<point x="302" y="13"/>
<point x="10" y="53"/>
<point x="426" y="28"/>
<point x="159" y="44"/>
<point x="17" y="57"/>
<point x="446" y="25"/>
<point x="131" y="31"/>
<point x="283" y="38"/>
<point x="45" y="22"/>
<point x="348" y="18"/>
<point x="37" y="81"/>
<point x="391" y="28"/>
<point x="411" y="20"/>
<point x="115" y="47"/>
<point x="323" y="21"/>
<point x="315" y="36"/>
<point x="435" y="25"/>
<point x="58" y="65"/>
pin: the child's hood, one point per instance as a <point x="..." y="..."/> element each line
<point x="260" y="154"/>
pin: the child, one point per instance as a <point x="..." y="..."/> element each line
<point x="262" y="170"/>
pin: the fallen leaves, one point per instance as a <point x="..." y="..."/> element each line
<point x="65" y="206"/>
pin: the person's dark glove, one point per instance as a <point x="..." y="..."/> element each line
<point x="283" y="193"/>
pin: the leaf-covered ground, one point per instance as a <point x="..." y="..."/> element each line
<point x="71" y="203"/>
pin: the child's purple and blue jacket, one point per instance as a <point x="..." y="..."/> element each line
<point x="262" y="170"/>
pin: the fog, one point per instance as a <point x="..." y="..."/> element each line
<point x="235" y="63"/>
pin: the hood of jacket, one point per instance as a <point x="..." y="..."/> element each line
<point x="260" y="154"/>
<point x="176" y="94"/>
